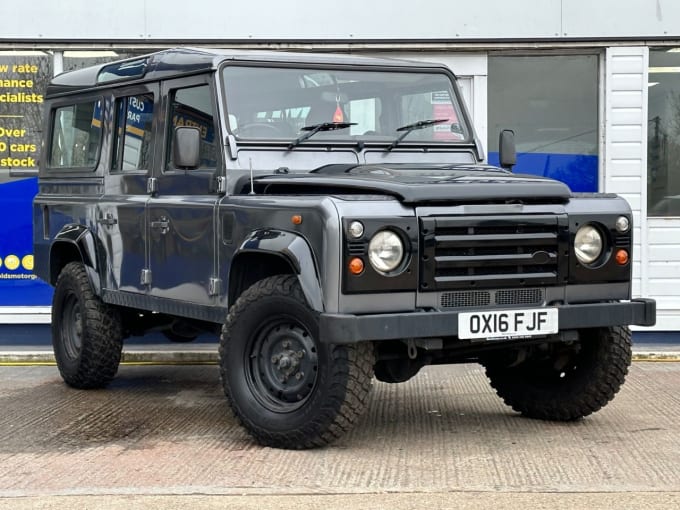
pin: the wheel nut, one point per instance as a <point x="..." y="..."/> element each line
<point x="275" y="358"/>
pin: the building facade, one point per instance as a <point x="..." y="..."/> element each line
<point x="591" y="89"/>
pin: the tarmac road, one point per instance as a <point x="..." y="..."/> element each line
<point x="161" y="437"/>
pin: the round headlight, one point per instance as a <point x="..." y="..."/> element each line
<point x="588" y="244"/>
<point x="385" y="251"/>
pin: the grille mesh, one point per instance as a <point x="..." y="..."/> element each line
<point x="481" y="298"/>
<point x="464" y="299"/>
<point x="519" y="297"/>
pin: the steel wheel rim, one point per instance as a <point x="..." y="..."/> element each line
<point x="72" y="327"/>
<point x="281" y="365"/>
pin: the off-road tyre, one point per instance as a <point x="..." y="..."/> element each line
<point x="270" y="336"/>
<point x="87" y="334"/>
<point x="583" y="385"/>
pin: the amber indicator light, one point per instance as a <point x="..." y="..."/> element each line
<point x="356" y="266"/>
<point x="296" y="219"/>
<point x="622" y="257"/>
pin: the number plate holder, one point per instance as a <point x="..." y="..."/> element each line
<point x="507" y="324"/>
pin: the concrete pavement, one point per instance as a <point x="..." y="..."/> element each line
<point x="206" y="353"/>
<point x="161" y="436"/>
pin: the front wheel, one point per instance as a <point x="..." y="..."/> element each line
<point x="87" y="334"/>
<point x="288" y="389"/>
<point x="566" y="382"/>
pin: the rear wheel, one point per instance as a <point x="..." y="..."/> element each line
<point x="565" y="383"/>
<point x="288" y="389"/>
<point x="87" y="335"/>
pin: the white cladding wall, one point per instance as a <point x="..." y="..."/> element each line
<point x="345" y="20"/>
<point x="625" y="151"/>
<point x="663" y="271"/>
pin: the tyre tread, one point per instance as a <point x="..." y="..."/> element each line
<point x="102" y="334"/>
<point x="349" y="389"/>
<point x="585" y="396"/>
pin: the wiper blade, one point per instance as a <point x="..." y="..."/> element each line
<point x="315" y="128"/>
<point x="413" y="127"/>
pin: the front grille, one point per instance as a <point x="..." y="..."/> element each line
<point x="492" y="251"/>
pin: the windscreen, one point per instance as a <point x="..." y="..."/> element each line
<point x="277" y="103"/>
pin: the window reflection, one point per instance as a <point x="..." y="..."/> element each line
<point x="663" y="133"/>
<point x="551" y="102"/>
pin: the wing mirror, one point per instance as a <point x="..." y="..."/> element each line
<point x="186" y="147"/>
<point x="507" y="153"/>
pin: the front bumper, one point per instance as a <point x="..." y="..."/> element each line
<point x="348" y="329"/>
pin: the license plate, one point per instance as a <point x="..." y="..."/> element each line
<point x="501" y="324"/>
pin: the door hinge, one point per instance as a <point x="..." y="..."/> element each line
<point x="107" y="220"/>
<point x="145" y="278"/>
<point x="151" y="185"/>
<point x="214" y="287"/>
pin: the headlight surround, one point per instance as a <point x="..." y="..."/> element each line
<point x="385" y="251"/>
<point x="588" y="244"/>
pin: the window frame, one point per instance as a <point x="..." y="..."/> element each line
<point x="71" y="101"/>
<point x="117" y="152"/>
<point x="168" y="90"/>
<point x="469" y="141"/>
<point x="122" y="92"/>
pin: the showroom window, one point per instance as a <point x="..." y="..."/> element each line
<point x="551" y="103"/>
<point x="663" y="133"/>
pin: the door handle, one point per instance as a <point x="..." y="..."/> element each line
<point x="162" y="223"/>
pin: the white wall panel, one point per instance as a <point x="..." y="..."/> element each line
<point x="627" y="116"/>
<point x="269" y="19"/>
<point x="396" y="20"/>
<point x="611" y="18"/>
<point x="625" y="143"/>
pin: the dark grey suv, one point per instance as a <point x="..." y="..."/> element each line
<point x="331" y="218"/>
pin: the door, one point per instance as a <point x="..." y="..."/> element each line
<point x="181" y="211"/>
<point x="121" y="213"/>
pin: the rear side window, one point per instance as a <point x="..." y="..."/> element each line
<point x="132" y="142"/>
<point x="76" y="136"/>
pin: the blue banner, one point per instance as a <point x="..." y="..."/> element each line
<point x="18" y="285"/>
<point x="578" y="171"/>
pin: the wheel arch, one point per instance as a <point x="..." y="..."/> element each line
<point x="270" y="252"/>
<point x="75" y="243"/>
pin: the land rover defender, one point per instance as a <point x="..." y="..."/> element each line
<point x="331" y="218"/>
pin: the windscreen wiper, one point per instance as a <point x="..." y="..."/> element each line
<point x="412" y="127"/>
<point x="315" y="128"/>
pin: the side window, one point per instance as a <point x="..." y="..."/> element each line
<point x="76" y="136"/>
<point x="132" y="141"/>
<point x="194" y="107"/>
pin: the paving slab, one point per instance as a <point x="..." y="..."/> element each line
<point x="165" y="431"/>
